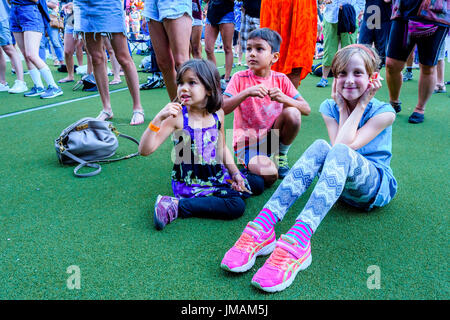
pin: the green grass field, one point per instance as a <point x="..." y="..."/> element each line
<point x="50" y="220"/>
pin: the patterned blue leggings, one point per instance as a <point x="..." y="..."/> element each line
<point x="343" y="173"/>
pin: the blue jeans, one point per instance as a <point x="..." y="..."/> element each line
<point x="53" y="35"/>
<point x="220" y="208"/>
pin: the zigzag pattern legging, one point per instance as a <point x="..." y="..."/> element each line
<point x="343" y="172"/>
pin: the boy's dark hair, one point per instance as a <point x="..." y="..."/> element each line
<point x="273" y="38"/>
<point x="208" y="74"/>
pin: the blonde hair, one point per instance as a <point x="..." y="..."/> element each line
<point x="368" y="54"/>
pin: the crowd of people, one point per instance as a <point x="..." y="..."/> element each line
<point x="279" y="40"/>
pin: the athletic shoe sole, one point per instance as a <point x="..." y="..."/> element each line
<point x="34" y="94"/>
<point x="287" y="283"/>
<point x="263" y="252"/>
<point x="53" y="95"/>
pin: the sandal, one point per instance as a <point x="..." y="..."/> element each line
<point x="114" y="82"/>
<point x="65" y="80"/>
<point x="105" y="116"/>
<point x="133" y="118"/>
<point x="416" y="117"/>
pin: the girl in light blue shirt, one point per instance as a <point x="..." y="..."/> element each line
<point x="353" y="167"/>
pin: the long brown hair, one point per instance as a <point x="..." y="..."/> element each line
<point x="208" y="74"/>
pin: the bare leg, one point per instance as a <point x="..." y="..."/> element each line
<point x="196" y="43"/>
<point x="114" y="63"/>
<point x="69" y="48"/>
<point x="211" y="34"/>
<point x="15" y="60"/>
<point x="427" y="82"/>
<point x="119" y="44"/>
<point x="227" y="32"/>
<point x="394" y="77"/>
<point x="294" y="76"/>
<point x="98" y="56"/>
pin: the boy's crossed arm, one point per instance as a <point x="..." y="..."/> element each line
<point x="260" y="91"/>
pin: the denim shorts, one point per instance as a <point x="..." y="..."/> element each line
<point x="197" y="22"/>
<point x="5" y="33"/>
<point x="228" y="18"/>
<point x="99" y="16"/>
<point x="159" y="10"/>
<point x="26" y="18"/>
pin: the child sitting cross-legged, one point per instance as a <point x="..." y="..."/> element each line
<point x="353" y="167"/>
<point x="267" y="109"/>
<point x="205" y="179"/>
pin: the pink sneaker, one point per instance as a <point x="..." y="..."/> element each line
<point x="253" y="242"/>
<point x="284" y="263"/>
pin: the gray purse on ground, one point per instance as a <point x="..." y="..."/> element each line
<point x="89" y="142"/>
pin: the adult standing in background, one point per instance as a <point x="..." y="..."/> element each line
<point x="197" y="28"/>
<point x="6" y="43"/>
<point x="220" y="18"/>
<point x="27" y="24"/>
<point x="95" y="20"/>
<point x="53" y="35"/>
<point x="296" y="22"/>
<point x="71" y="44"/>
<point x="250" y="20"/>
<point x="408" y="30"/>
<point x="376" y="26"/>
<point x="331" y="38"/>
<point x="170" y="27"/>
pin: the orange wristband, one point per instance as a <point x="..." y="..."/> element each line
<point x="152" y="127"/>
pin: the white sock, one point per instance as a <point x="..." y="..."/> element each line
<point x="48" y="77"/>
<point x="36" y="77"/>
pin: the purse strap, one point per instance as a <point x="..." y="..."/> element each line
<point x="96" y="163"/>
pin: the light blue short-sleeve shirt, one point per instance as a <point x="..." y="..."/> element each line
<point x="378" y="151"/>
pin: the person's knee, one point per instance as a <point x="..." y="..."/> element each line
<point x="427" y="70"/>
<point x="340" y="152"/>
<point x="321" y="144"/>
<point x="236" y="207"/>
<point x="292" y="117"/>
<point x="98" y="58"/>
<point x="124" y="58"/>
<point x="264" y="167"/>
<point x="394" y="66"/>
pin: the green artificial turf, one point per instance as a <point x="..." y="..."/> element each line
<point x="50" y="220"/>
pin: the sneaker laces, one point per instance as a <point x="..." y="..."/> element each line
<point x="245" y="242"/>
<point x="282" y="160"/>
<point x="279" y="258"/>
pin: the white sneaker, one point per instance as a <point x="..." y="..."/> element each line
<point x="4" y="87"/>
<point x="19" y="87"/>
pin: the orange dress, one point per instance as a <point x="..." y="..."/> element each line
<point x="296" y="22"/>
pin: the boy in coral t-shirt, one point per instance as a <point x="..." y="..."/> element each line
<point x="267" y="108"/>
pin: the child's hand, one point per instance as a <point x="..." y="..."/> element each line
<point x="372" y="88"/>
<point x="277" y="95"/>
<point x="337" y="97"/>
<point x="170" y="110"/>
<point x="259" y="91"/>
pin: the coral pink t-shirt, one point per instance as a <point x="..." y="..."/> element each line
<point x="255" y="116"/>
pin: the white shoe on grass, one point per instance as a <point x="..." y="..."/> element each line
<point x="19" y="87"/>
